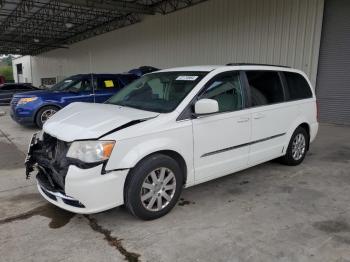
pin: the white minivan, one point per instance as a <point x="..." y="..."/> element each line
<point x="172" y="129"/>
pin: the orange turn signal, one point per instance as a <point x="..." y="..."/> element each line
<point x="107" y="149"/>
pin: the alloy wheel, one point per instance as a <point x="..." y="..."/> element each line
<point x="298" y="147"/>
<point x="158" y="189"/>
<point x="47" y="114"/>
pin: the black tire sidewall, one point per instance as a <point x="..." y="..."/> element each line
<point x="289" y="156"/>
<point x="135" y="181"/>
<point x="40" y="112"/>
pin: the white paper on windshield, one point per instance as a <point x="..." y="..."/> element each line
<point x="186" y="78"/>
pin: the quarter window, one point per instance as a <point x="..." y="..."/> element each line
<point x="265" y="87"/>
<point x="297" y="86"/>
<point x="226" y="90"/>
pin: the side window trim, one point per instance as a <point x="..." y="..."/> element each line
<point x="247" y="90"/>
<point x="284" y="86"/>
<point x="187" y="113"/>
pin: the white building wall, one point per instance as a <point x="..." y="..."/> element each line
<point x="285" y="32"/>
<point x="26" y="76"/>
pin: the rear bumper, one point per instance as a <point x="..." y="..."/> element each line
<point x="87" y="191"/>
<point x="313" y="131"/>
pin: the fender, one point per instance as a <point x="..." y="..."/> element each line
<point x="43" y="105"/>
<point x="300" y="120"/>
<point x="129" y="152"/>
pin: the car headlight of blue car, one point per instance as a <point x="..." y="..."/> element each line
<point x="26" y="100"/>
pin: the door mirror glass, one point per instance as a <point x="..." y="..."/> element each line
<point x="206" y="106"/>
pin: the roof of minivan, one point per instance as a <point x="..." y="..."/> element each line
<point x="204" y="68"/>
<point x="208" y="68"/>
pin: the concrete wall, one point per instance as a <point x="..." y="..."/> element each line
<point x="285" y="32"/>
<point x="26" y="77"/>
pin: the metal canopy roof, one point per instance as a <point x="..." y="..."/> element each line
<point x="31" y="27"/>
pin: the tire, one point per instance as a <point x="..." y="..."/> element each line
<point x="142" y="193"/>
<point x="40" y="116"/>
<point x="296" y="151"/>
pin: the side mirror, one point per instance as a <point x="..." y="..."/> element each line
<point x="206" y="106"/>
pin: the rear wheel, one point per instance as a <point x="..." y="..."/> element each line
<point x="297" y="148"/>
<point x="44" y="114"/>
<point x="153" y="187"/>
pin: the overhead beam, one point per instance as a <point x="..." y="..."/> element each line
<point x="168" y="6"/>
<point x="104" y="28"/>
<point x="39" y="45"/>
<point x="48" y="20"/>
<point x="121" y="6"/>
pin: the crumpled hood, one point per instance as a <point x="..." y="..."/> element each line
<point x="80" y="121"/>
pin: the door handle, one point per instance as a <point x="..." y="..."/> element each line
<point x="259" y="116"/>
<point x="243" y="120"/>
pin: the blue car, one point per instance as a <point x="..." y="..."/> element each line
<point x="36" y="107"/>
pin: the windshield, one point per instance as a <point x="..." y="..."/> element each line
<point x="74" y="84"/>
<point x="158" y="92"/>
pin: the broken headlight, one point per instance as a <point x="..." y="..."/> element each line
<point x="91" y="151"/>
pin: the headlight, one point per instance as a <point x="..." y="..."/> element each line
<point x="91" y="151"/>
<point x="26" y="100"/>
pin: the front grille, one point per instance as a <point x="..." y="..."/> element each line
<point x="50" y="156"/>
<point x="49" y="195"/>
<point x="51" y="192"/>
<point x="74" y="203"/>
<point x="14" y="101"/>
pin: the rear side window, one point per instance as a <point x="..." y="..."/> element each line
<point x="107" y="83"/>
<point x="265" y="87"/>
<point x="297" y="86"/>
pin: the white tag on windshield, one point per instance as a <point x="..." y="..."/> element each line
<point x="186" y="78"/>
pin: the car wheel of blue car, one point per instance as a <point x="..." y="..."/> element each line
<point x="44" y="114"/>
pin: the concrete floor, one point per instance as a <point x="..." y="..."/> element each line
<point x="266" y="213"/>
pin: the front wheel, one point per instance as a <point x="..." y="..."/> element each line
<point x="154" y="186"/>
<point x="44" y="114"/>
<point x="297" y="148"/>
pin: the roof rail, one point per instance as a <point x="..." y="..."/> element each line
<point x="255" y="64"/>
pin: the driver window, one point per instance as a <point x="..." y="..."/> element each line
<point x="82" y="85"/>
<point x="226" y="90"/>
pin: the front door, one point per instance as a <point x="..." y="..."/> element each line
<point x="80" y="91"/>
<point x="221" y="140"/>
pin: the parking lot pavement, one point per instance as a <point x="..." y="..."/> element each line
<point x="267" y="213"/>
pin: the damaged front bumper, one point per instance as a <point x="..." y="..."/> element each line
<point x="69" y="184"/>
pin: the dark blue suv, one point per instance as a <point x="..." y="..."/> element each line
<point x="37" y="106"/>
